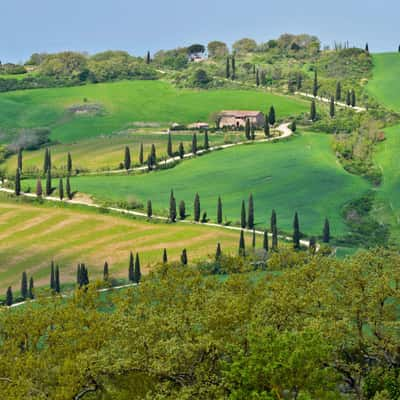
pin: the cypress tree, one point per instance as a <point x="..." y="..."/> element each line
<point x="273" y="220"/>
<point x="338" y="91"/>
<point x="218" y="252"/>
<point x="250" y="220"/>
<point x="9" y="297"/>
<point x="69" y="163"/>
<point x="184" y="258"/>
<point x="127" y="159"/>
<point x="138" y="273"/>
<point x="148" y="58"/>
<point x="326" y="233"/>
<point x="131" y="269"/>
<point x="105" y="272"/>
<point x="57" y="286"/>
<point x="313" y="111"/>
<point x="257" y="78"/>
<point x="299" y="81"/>
<point x="348" y="98"/>
<point x="247" y="129"/>
<point x="219" y="210"/>
<point x="272" y="116"/>
<point x="194" y="144"/>
<point x="68" y="188"/>
<point x="312" y="246"/>
<point x="204" y="219"/>
<point x="182" y="210"/>
<point x="253" y="242"/>
<point x="141" y="160"/>
<point x="206" y="142"/>
<point x="181" y="151"/>
<point x="275" y="238"/>
<point x="228" y="68"/>
<point x="242" y="246"/>
<point x="17" y="182"/>
<point x="49" y="160"/>
<point x="165" y="256"/>
<point x="149" y="209"/>
<point x="52" y="276"/>
<point x="315" y="84"/>
<point x="48" y="183"/>
<point x="266" y="128"/>
<point x="85" y="275"/>
<point x="61" y="189"/>
<point x="332" y="107"/>
<point x="24" y="286"/>
<point x="169" y="145"/>
<point x="46" y="161"/>
<point x="265" y="241"/>
<point x="197" y="208"/>
<point x="353" y="98"/>
<point x="31" y="291"/>
<point x="367" y="48"/>
<point x="19" y="162"/>
<point x="172" y="207"/>
<point x="296" y="232"/>
<point x="153" y="155"/>
<point x="39" y="189"/>
<point x="233" y="68"/>
<point x="243" y="221"/>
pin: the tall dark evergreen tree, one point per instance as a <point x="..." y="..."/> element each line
<point x="148" y="58"/>
<point x="169" y="145"/>
<point x="127" y="158"/>
<point x="182" y="210"/>
<point x="184" y="258"/>
<point x="299" y="81"/>
<point x="253" y="241"/>
<point x="39" y="189"/>
<point x="153" y="155"/>
<point x="48" y="183"/>
<point x="348" y="98"/>
<point x="141" y="159"/>
<point x="266" y="128"/>
<point x="315" y="84"/>
<point x="228" y="68"/>
<point x="131" y="268"/>
<point x="332" y="107"/>
<point x="68" y="188"/>
<point x="218" y="252"/>
<point x="106" y="274"/>
<point x="250" y="219"/>
<point x="46" y="161"/>
<point x="206" y="141"/>
<point x="69" y="163"/>
<point x="275" y="238"/>
<point x="24" y="286"/>
<point x="257" y="78"/>
<point x="165" y="256"/>
<point x="353" y="98"/>
<point x="9" y="297"/>
<point x="273" y="220"/>
<point x="181" y="150"/>
<point x="247" y="129"/>
<point x="61" y="189"/>
<point x="219" y="211"/>
<point x="242" y="245"/>
<point x="265" y="241"/>
<point x="52" y="276"/>
<point x="233" y="68"/>
<point x="272" y="116"/>
<point x="172" y="207"/>
<point x="338" y="91"/>
<point x="194" y="144"/>
<point x="138" y="273"/>
<point x="149" y="209"/>
<point x="367" y="48"/>
<point x="31" y="291"/>
<point x="57" y="285"/>
<point x="326" y="233"/>
<point x="313" y="111"/>
<point x="17" y="183"/>
<point x="296" y="232"/>
<point x="243" y="220"/>
<point x="197" y="208"/>
<point x="19" y="162"/>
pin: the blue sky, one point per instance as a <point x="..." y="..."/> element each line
<point x="29" y="26"/>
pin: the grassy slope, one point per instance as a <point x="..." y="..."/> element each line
<point x="301" y="174"/>
<point x="385" y="85"/>
<point x="32" y="235"/>
<point x="127" y="102"/>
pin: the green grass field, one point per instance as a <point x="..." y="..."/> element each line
<point x="125" y="103"/>
<point x="385" y="84"/>
<point x="298" y="175"/>
<point x="31" y="235"/>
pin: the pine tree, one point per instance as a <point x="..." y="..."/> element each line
<point x="313" y="111"/>
<point x="332" y="107"/>
<point x="348" y="98"/>
<point x="17" y="182"/>
<point x="131" y="269"/>
<point x="181" y="151"/>
<point x="265" y="241"/>
<point x="31" y="291"/>
<point x="149" y="209"/>
<point x="218" y="252"/>
<point x="169" y="145"/>
<point x="296" y="232"/>
<point x="273" y="220"/>
<point x="69" y="163"/>
<point x="272" y="116"/>
<point x="250" y="220"/>
<point x="172" y="207"/>
<point x="242" y="246"/>
<point x="184" y="258"/>
<point x="219" y="210"/>
<point x="338" y="91"/>
<point x="243" y="221"/>
<point x="206" y="142"/>
<point x="9" y="297"/>
<point x="57" y="286"/>
<point x="68" y="188"/>
<point x="24" y="286"/>
<point x="196" y="207"/>
<point x="127" y="158"/>
<point x="233" y="68"/>
<point x="61" y="189"/>
<point x="326" y="233"/>
<point x="228" y="68"/>
<point x="141" y="160"/>
<point x="194" y="144"/>
<point x="19" y="162"/>
<point x="182" y="210"/>
<point x="247" y="129"/>
<point x="148" y="58"/>
<point x="315" y="84"/>
<point x="138" y="273"/>
<point x="48" y="183"/>
<point x="165" y="256"/>
<point x="253" y="242"/>
<point x="353" y="98"/>
<point x="312" y="245"/>
<point x="52" y="276"/>
<point x="275" y="238"/>
<point x="106" y="274"/>
<point x="39" y="189"/>
<point x="257" y="78"/>
<point x="266" y="128"/>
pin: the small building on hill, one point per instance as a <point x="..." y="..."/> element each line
<point x="237" y="118"/>
<point x="199" y="125"/>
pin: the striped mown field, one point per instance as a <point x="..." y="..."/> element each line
<point x="31" y="235"/>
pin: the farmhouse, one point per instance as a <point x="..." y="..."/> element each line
<point x="237" y="118"/>
<point x="199" y="125"/>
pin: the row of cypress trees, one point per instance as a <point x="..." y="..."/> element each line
<point x="134" y="272"/>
